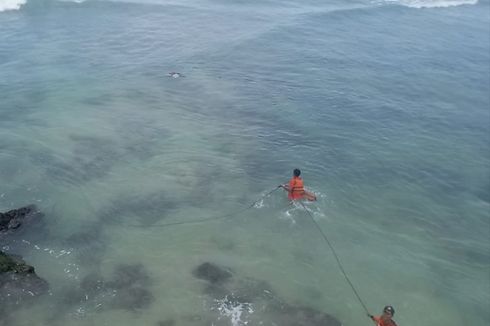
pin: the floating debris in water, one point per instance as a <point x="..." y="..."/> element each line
<point x="175" y="74"/>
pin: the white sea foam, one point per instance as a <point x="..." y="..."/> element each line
<point x="11" y="4"/>
<point x="432" y="3"/>
<point x="17" y="4"/>
<point x="233" y="310"/>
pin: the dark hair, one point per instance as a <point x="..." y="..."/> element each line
<point x="296" y="172"/>
<point x="390" y="310"/>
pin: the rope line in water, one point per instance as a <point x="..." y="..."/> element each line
<point x="202" y="220"/>
<point x="337" y="259"/>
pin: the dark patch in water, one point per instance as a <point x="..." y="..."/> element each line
<point x="288" y="315"/>
<point x="88" y="245"/>
<point x="91" y="158"/>
<point x="128" y="276"/>
<point x="133" y="299"/>
<point x="92" y="283"/>
<point x="127" y="290"/>
<point x="314" y="293"/>
<point x="212" y="273"/>
<point x="146" y="208"/>
<point x="168" y="322"/>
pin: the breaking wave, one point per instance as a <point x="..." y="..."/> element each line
<point x="432" y="3"/>
<point x="11" y="4"/>
<point x="18" y="4"/>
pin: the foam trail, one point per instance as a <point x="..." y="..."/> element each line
<point x="432" y="3"/>
<point x="11" y="4"/>
<point x="233" y="310"/>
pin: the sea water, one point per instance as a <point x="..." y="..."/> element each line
<point x="383" y="105"/>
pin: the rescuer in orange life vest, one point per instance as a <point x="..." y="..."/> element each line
<point x="385" y="318"/>
<point x="296" y="189"/>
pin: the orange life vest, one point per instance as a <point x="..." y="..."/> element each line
<point x="296" y="188"/>
<point x="382" y="322"/>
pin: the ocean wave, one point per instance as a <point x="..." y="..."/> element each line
<point x="18" y="4"/>
<point x="11" y="4"/>
<point x="431" y="3"/>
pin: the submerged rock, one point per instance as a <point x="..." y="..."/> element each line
<point x="254" y="301"/>
<point x="128" y="290"/>
<point x="18" y="281"/>
<point x="211" y="273"/>
<point x="13" y="219"/>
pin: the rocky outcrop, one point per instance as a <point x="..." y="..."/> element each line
<point x="18" y="282"/>
<point x="13" y="219"/>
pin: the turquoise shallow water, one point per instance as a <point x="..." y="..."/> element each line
<point x="383" y="105"/>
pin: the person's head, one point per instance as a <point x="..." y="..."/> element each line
<point x="388" y="311"/>
<point x="296" y="172"/>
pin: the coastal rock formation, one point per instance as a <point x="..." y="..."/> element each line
<point x="18" y="282"/>
<point x="13" y="219"/>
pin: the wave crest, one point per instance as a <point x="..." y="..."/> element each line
<point x="18" y="4"/>
<point x="432" y="3"/>
<point x="11" y="4"/>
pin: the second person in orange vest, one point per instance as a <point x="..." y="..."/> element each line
<point x="386" y="318"/>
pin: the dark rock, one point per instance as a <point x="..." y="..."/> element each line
<point x="13" y="219"/>
<point x="212" y="273"/>
<point x="18" y="281"/>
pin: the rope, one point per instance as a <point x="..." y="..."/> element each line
<point x="202" y="220"/>
<point x="337" y="259"/>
